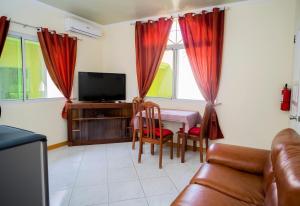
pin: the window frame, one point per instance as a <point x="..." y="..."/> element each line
<point x="23" y="37"/>
<point x="175" y="47"/>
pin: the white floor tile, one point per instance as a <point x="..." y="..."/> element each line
<point x="61" y="181"/>
<point x="118" y="163"/>
<point x="94" y="166"/>
<point x="59" y="167"/>
<point x="89" y="178"/>
<point x="158" y="186"/>
<point x="161" y="200"/>
<point x="60" y="198"/>
<point x="119" y="191"/>
<point x="85" y="196"/>
<point x="180" y="169"/>
<point x="109" y="174"/>
<point x="124" y="174"/>
<point x="149" y="171"/>
<point x="133" y="202"/>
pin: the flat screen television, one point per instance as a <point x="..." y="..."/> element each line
<point x="95" y="86"/>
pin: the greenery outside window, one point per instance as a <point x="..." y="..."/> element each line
<point x="23" y="74"/>
<point x="174" y="78"/>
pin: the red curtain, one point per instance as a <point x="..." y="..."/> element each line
<point x="203" y="40"/>
<point x="4" y="26"/>
<point x="59" y="52"/>
<point x="150" y="44"/>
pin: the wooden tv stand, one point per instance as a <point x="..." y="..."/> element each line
<point x="98" y="123"/>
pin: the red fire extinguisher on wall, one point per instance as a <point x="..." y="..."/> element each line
<point x="285" y="98"/>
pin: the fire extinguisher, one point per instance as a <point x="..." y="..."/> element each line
<point x="286" y="98"/>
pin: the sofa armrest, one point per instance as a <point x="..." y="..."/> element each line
<point x="241" y="158"/>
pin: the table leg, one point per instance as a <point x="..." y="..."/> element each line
<point x="152" y="149"/>
<point x="179" y="136"/>
<point x="183" y="142"/>
<point x="183" y="148"/>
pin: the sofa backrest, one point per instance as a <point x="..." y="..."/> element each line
<point x="282" y="170"/>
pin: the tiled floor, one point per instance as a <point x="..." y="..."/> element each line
<point x="102" y="175"/>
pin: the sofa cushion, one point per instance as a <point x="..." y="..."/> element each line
<point x="268" y="175"/>
<point x="284" y="137"/>
<point x="198" y="195"/>
<point x="287" y="175"/>
<point x="237" y="157"/>
<point x="240" y="185"/>
<point x="271" y="198"/>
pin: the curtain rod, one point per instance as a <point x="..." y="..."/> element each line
<point x="179" y="14"/>
<point x="34" y="27"/>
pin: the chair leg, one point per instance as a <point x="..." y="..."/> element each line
<point x="178" y="145"/>
<point x="140" y="151"/>
<point x="171" y="148"/>
<point x="201" y="149"/>
<point x="160" y="155"/>
<point x="186" y="145"/>
<point x="142" y="147"/>
<point x="133" y="138"/>
<point x="194" y="146"/>
<point x="183" y="145"/>
<point x="152" y="149"/>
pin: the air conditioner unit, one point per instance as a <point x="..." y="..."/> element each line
<point x="82" y="27"/>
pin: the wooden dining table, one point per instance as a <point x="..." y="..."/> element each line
<point x="187" y="118"/>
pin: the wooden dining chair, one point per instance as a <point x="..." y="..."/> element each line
<point x="135" y="106"/>
<point x="196" y="134"/>
<point x="152" y="132"/>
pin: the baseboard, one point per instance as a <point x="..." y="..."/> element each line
<point x="55" y="146"/>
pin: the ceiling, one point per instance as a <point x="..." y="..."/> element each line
<point x="112" y="11"/>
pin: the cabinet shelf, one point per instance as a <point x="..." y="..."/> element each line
<point x="98" y="118"/>
<point x="98" y="123"/>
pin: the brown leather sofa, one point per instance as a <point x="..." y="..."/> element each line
<point x="241" y="176"/>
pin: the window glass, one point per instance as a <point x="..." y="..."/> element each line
<point x="11" y="81"/>
<point x="186" y="84"/>
<point x="175" y="71"/>
<point x="162" y="84"/>
<point x="38" y="81"/>
<point x="22" y="66"/>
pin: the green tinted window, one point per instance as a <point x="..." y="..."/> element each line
<point x="11" y="80"/>
<point x="22" y="61"/>
<point x="162" y="85"/>
<point x="35" y="71"/>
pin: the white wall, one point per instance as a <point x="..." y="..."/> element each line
<point x="44" y="116"/>
<point x="297" y="15"/>
<point x="257" y="62"/>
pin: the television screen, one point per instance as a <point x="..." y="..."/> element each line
<point x="101" y="86"/>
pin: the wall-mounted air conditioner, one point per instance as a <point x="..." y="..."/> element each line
<point x="82" y="27"/>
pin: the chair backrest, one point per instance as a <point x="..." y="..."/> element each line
<point x="149" y="113"/>
<point x="135" y="107"/>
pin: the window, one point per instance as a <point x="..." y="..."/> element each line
<point x="23" y="74"/>
<point x="174" y="78"/>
